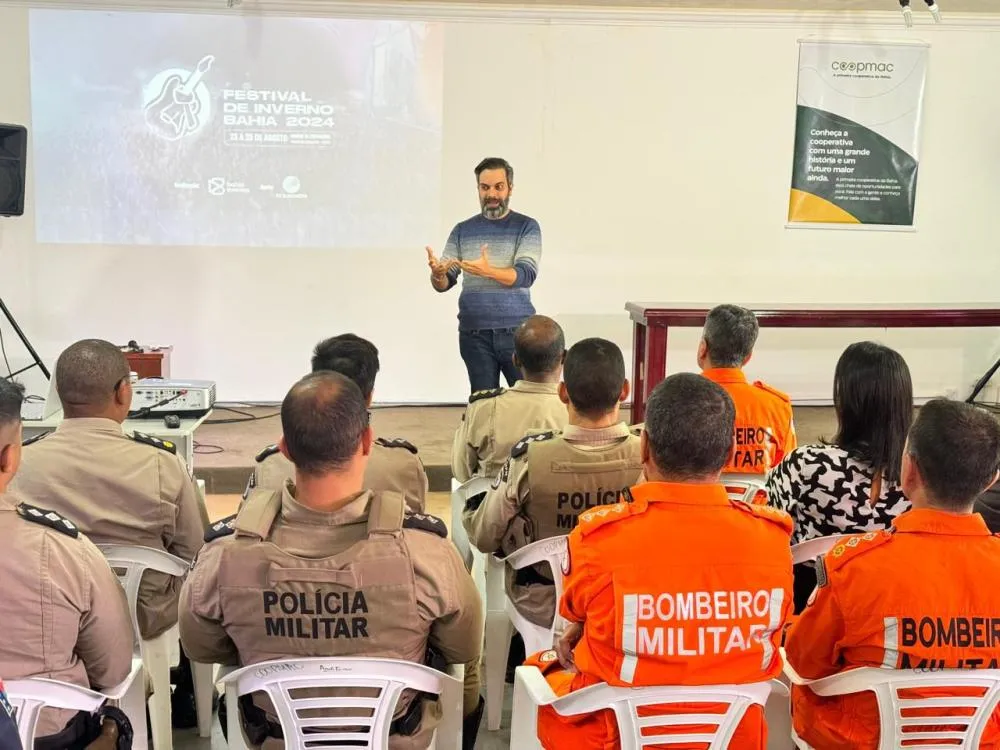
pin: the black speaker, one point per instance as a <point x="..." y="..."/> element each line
<point x="13" y="158"/>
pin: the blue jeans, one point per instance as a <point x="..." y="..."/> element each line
<point x="488" y="352"/>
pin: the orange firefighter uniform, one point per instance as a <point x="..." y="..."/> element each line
<point x="913" y="597"/>
<point x="678" y="585"/>
<point x="765" y="430"/>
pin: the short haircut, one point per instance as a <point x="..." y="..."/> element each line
<point x="322" y="418"/>
<point x="539" y="344"/>
<point x="956" y="446"/>
<point x="689" y="426"/>
<point x="495" y="162"/>
<point x="350" y="355"/>
<point x="594" y="374"/>
<point x="11" y="399"/>
<point x="88" y="372"/>
<point x="730" y="334"/>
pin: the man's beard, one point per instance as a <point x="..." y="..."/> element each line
<point x="495" y="211"/>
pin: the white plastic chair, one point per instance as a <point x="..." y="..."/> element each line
<point x="157" y="654"/>
<point x="459" y="494"/>
<point x="373" y="716"/>
<point x="531" y="691"/>
<point x="935" y="727"/>
<point x="30" y="696"/>
<point x="502" y="617"/>
<point x="743" y="486"/>
<point x="810" y="549"/>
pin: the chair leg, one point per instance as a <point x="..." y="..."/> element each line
<point x="524" y="731"/>
<point x="133" y="704"/>
<point x="155" y="656"/>
<point x="204" y="691"/>
<point x="499" y="630"/>
<point x="234" y="727"/>
<point x="778" y="715"/>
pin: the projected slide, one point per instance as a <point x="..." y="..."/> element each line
<point x="193" y="129"/>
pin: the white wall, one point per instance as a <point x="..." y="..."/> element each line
<point x="656" y="155"/>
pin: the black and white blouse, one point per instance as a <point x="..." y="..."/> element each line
<point x="825" y="490"/>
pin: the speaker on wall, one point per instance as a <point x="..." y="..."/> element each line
<point x="13" y="157"/>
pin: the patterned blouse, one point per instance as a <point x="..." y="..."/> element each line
<point x="825" y="490"/>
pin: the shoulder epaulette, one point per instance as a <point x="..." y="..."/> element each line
<point x="766" y="512"/>
<point x="424" y="522"/>
<point x="521" y="446"/>
<point x="163" y="445"/>
<point x="854" y="546"/>
<point x="47" y="518"/>
<point x="480" y="395"/>
<point x="222" y="528"/>
<point x="266" y="453"/>
<point x="773" y="391"/>
<point x="593" y="519"/>
<point x="397" y="443"/>
<point x="35" y="438"/>
<point x="637" y="429"/>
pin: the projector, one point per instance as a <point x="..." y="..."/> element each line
<point x="155" y="397"/>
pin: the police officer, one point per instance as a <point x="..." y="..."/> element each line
<point x="119" y="488"/>
<point x="393" y="464"/>
<point x="678" y="586"/>
<point x="327" y="568"/>
<point x="921" y="596"/>
<point x="497" y="419"/>
<point x="551" y="478"/>
<point x="63" y="611"/>
<point x="765" y="431"/>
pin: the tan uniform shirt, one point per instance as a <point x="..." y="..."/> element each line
<point x="365" y="580"/>
<point x="548" y="481"/>
<point x="62" y="609"/>
<point x="393" y="466"/>
<point x="120" y="489"/>
<point x="496" y="420"/>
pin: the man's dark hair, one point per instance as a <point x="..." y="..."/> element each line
<point x="495" y="162"/>
<point x="539" y="344"/>
<point x="873" y="399"/>
<point x="11" y="398"/>
<point x="690" y="426"/>
<point x="350" y="355"/>
<point x="323" y="417"/>
<point x="594" y="373"/>
<point x="956" y="446"/>
<point x="730" y="334"/>
<point x="88" y="372"/>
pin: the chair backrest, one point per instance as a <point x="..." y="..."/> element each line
<point x="712" y="729"/>
<point x="812" y="548"/>
<point x="746" y="487"/>
<point x="552" y="551"/>
<point x="29" y="697"/>
<point x="360" y="722"/>
<point x="129" y="564"/>
<point x="934" y="723"/>
<point x="459" y="494"/>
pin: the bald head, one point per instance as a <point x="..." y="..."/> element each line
<point x="323" y="418"/>
<point x="92" y="379"/>
<point x="539" y="346"/>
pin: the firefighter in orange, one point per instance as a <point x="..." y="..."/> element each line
<point x="765" y="431"/>
<point x="677" y="585"/>
<point x="921" y="596"/>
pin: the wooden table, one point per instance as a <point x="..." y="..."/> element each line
<point x="651" y="324"/>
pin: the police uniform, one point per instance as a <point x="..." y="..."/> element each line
<point x="495" y="420"/>
<point x="120" y="488"/>
<point x="765" y="430"/>
<point x="917" y="597"/>
<point x="63" y="611"/>
<point x="678" y="585"/>
<point x="548" y="481"/>
<point x="393" y="466"/>
<point x="369" y="579"/>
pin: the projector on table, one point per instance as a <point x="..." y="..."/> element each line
<point x="156" y="397"/>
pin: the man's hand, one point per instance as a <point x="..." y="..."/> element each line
<point x="439" y="268"/>
<point x="480" y="267"/>
<point x="565" y="644"/>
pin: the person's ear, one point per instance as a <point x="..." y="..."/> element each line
<point x="562" y="359"/>
<point x="563" y="393"/>
<point x="702" y="355"/>
<point x="371" y="396"/>
<point x="123" y="393"/>
<point x="283" y="448"/>
<point x="909" y="474"/>
<point x="644" y="448"/>
<point x="367" y="439"/>
<point x="517" y="361"/>
<point x="747" y="359"/>
<point x="10" y="457"/>
<point x="626" y="390"/>
<point x="996" y="476"/>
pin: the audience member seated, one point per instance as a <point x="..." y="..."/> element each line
<point x="497" y="419"/>
<point x="551" y="478"/>
<point x="932" y="575"/>
<point x="677" y="586"/>
<point x="118" y="488"/>
<point x="393" y="465"/>
<point x="63" y="611"/>
<point x="852" y="483"/>
<point x="410" y="595"/>
<point x="765" y="431"/>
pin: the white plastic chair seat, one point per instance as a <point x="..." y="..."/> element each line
<point x="810" y="549"/>
<point x="297" y="715"/>
<point x="743" y="487"/>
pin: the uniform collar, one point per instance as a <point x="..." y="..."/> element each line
<point x="725" y="375"/>
<point x="292" y="511"/>
<point x="929" y="521"/>
<point x="574" y="434"/>
<point x="91" y="424"/>
<point x="677" y="493"/>
<point x="527" y="386"/>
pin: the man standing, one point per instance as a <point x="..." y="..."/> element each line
<point x="499" y="251"/>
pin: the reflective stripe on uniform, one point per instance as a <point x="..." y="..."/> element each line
<point x="630" y="622"/>
<point x="891" y="643"/>
<point x="773" y="623"/>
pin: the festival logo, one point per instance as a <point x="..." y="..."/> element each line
<point x="176" y="102"/>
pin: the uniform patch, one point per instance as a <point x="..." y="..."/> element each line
<point x="47" y="518"/>
<point x="424" y="522"/>
<point x="503" y="475"/>
<point x="222" y="528"/>
<point x="163" y="445"/>
<point x="547" y="657"/>
<point x="567" y="564"/>
<point x="35" y="438"/>
<point x="397" y="443"/>
<point x="480" y="395"/>
<point x="821" y="577"/>
<point x="266" y="453"/>
<point x="521" y="446"/>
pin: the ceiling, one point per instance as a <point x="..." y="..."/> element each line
<point x="947" y="6"/>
